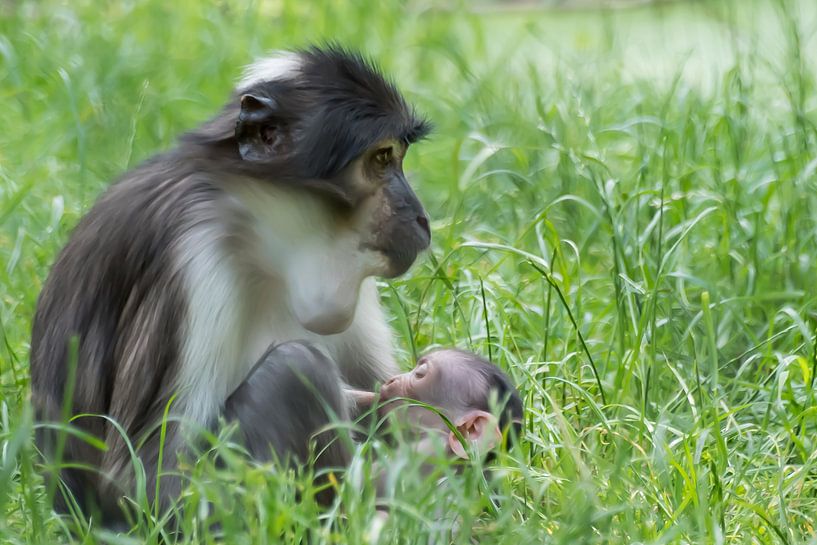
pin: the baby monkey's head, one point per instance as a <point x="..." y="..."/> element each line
<point x="464" y="387"/>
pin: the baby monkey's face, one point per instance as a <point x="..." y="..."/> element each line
<point x="448" y="381"/>
<point x="443" y="379"/>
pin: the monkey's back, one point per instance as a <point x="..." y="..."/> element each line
<point x="114" y="290"/>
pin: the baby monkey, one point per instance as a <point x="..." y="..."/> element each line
<point x="464" y="388"/>
<point x="474" y="395"/>
<point x="468" y="390"/>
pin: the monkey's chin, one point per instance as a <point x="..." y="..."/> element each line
<point x="398" y="267"/>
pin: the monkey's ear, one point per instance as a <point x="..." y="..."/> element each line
<point x="259" y="131"/>
<point x="479" y="428"/>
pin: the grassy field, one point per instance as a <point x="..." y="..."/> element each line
<point x="624" y="212"/>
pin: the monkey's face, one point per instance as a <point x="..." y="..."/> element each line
<point x="378" y="229"/>
<point x="327" y="132"/>
<point x="443" y="379"/>
<point x="323" y="248"/>
<point x="452" y="383"/>
<point x="385" y="210"/>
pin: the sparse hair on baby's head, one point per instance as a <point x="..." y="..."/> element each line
<point x="512" y="412"/>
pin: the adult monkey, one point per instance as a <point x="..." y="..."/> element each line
<point x="264" y="225"/>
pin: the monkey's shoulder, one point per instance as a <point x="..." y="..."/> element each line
<point x="124" y="244"/>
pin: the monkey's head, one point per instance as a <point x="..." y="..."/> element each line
<point x="467" y="389"/>
<point x="321" y="136"/>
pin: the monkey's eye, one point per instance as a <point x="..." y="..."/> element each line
<point x="421" y="370"/>
<point x="383" y="156"/>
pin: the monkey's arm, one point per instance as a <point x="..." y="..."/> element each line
<point x="361" y="399"/>
<point x="290" y="399"/>
<point x="360" y="404"/>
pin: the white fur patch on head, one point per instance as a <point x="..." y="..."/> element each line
<point x="280" y="65"/>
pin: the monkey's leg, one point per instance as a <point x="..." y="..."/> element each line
<point x="293" y="393"/>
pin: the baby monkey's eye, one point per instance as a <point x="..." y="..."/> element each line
<point x="421" y="370"/>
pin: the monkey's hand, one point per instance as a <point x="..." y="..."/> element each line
<point x="360" y="400"/>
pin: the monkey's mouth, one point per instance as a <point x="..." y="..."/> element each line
<point x="403" y="242"/>
<point x="401" y="258"/>
<point x="388" y="405"/>
<point x="390" y="397"/>
<point x="408" y="415"/>
<point x="399" y="267"/>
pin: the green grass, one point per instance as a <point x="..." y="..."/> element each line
<point x="630" y="194"/>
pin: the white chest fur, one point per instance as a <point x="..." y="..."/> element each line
<point x="233" y="316"/>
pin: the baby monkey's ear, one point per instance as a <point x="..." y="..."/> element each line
<point x="479" y="428"/>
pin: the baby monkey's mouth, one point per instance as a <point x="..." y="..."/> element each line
<point x="392" y="388"/>
<point x="384" y="401"/>
<point x="395" y="397"/>
<point x="389" y="402"/>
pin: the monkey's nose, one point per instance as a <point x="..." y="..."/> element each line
<point x="390" y="388"/>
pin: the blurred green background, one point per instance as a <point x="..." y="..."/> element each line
<point x="624" y="209"/>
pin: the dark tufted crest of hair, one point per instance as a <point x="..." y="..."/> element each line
<point x="351" y="106"/>
<point x="333" y="106"/>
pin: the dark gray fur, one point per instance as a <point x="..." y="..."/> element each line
<point x="310" y="397"/>
<point x="113" y="288"/>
